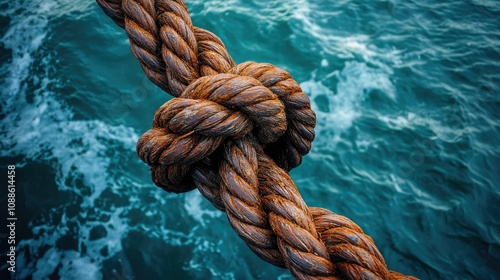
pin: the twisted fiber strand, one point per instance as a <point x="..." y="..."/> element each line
<point x="240" y="195"/>
<point x="179" y="49"/>
<point x="212" y="54"/>
<point x="344" y="239"/>
<point x="140" y="24"/>
<point x="205" y="139"/>
<point x="303" y="252"/>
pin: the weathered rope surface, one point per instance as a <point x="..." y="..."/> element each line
<point x="233" y="132"/>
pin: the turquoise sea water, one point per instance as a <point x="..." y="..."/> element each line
<point x="408" y="105"/>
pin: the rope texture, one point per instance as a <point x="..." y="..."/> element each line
<point x="233" y="132"/>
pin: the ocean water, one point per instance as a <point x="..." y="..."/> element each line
<point x="407" y="95"/>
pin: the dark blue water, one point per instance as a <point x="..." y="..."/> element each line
<point x="408" y="105"/>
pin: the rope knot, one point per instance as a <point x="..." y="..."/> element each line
<point x="210" y="110"/>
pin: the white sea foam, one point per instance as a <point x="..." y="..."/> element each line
<point x="345" y="105"/>
<point x="38" y="126"/>
<point x="341" y="44"/>
<point x="367" y="68"/>
<point x="270" y="12"/>
<point x="193" y="205"/>
<point x="43" y="129"/>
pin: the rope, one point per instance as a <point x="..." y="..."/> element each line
<point x="233" y="132"/>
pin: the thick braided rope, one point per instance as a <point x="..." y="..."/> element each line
<point x="233" y="132"/>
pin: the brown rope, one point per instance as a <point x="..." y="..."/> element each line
<point x="233" y="132"/>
